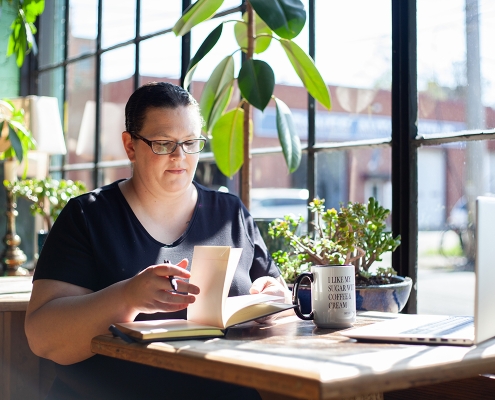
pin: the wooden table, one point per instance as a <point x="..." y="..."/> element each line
<point x="294" y="359"/>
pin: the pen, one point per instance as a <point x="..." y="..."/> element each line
<point x="171" y="278"/>
<point x="117" y="332"/>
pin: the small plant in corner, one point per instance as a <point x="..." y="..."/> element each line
<point x="356" y="234"/>
<point x="49" y="196"/>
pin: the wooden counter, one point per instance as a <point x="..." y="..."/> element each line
<point x="22" y="374"/>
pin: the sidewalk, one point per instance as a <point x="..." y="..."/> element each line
<point x="443" y="288"/>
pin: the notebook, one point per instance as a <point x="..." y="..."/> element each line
<point x="444" y="329"/>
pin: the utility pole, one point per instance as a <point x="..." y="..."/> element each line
<point x="476" y="182"/>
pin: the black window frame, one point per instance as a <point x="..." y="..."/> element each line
<point x="404" y="141"/>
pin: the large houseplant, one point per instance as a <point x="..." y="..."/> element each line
<point x="230" y="131"/>
<point x="355" y="234"/>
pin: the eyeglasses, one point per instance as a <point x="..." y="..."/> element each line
<point x="163" y="147"/>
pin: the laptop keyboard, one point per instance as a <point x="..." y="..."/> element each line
<point x="443" y="327"/>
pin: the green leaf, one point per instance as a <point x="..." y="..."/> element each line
<point x="210" y="41"/>
<point x="227" y="141"/>
<point x="307" y="72"/>
<point x="256" y="82"/>
<point x="221" y="77"/>
<point x="196" y="13"/>
<point x="20" y="49"/>
<point x="287" y="134"/>
<point x="10" y="46"/>
<point x="18" y="125"/>
<point x="32" y="9"/>
<point x="262" y="42"/>
<point x="285" y="17"/>
<point x="220" y="104"/>
<point x="15" y="142"/>
<point x="31" y="42"/>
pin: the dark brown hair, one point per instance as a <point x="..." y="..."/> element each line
<point x="155" y="95"/>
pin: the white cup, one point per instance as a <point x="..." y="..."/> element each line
<point x="333" y="296"/>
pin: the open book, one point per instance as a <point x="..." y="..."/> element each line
<point x="212" y="269"/>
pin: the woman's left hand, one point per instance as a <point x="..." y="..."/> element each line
<point x="268" y="285"/>
<point x="274" y="287"/>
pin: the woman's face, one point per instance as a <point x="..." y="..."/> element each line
<point x="171" y="172"/>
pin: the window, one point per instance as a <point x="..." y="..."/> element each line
<point x="368" y="145"/>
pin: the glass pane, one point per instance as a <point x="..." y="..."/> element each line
<point x="455" y="95"/>
<point x="357" y="67"/>
<point x="285" y="76"/>
<point x="450" y="177"/>
<point x="228" y="4"/>
<point x="85" y="176"/>
<point x="160" y="58"/>
<point x="113" y="174"/>
<point x="159" y="15"/>
<point x="83" y="27"/>
<point x="276" y="193"/>
<point x="225" y="46"/>
<point x="486" y="13"/>
<point x="278" y="60"/>
<point x="117" y="86"/>
<point x="51" y="40"/>
<point x="207" y="174"/>
<point x="51" y="83"/>
<point x="119" y="22"/>
<point x="118" y="64"/>
<point x="354" y="175"/>
<point x="80" y="119"/>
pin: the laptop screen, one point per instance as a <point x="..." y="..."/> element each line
<point x="484" y="303"/>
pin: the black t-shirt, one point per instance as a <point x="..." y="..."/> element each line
<point x="97" y="241"/>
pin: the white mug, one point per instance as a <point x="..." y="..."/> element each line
<point x="333" y="296"/>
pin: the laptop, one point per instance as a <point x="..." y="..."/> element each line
<point x="444" y="329"/>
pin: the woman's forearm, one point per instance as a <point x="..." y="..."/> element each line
<point x="61" y="329"/>
<point x="62" y="318"/>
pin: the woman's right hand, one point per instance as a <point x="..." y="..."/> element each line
<point x="151" y="291"/>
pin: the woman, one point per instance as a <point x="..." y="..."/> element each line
<point x="103" y="261"/>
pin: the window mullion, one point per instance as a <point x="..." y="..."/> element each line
<point x="404" y="151"/>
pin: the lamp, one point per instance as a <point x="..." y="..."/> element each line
<point x="111" y="131"/>
<point x="42" y="118"/>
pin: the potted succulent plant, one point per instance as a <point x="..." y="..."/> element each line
<point x="48" y="196"/>
<point x="356" y="234"/>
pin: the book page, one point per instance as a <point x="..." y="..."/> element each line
<point x="236" y="303"/>
<point x="166" y="329"/>
<point x="212" y="270"/>
<point x="256" y="311"/>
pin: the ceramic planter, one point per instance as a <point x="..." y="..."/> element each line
<point x="387" y="298"/>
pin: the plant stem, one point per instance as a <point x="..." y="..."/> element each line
<point x="246" y="172"/>
<point x="307" y="250"/>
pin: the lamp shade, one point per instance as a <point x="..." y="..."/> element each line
<point x="42" y="118"/>
<point x="112" y="125"/>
